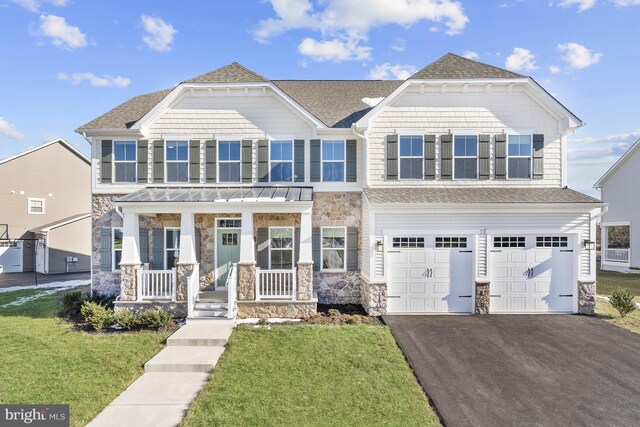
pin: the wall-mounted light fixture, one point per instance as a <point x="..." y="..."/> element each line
<point x="379" y="246"/>
<point x="589" y="245"/>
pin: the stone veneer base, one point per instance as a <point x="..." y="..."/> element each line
<point x="279" y="309"/>
<point x="587" y="297"/>
<point x="177" y="308"/>
<point x="483" y="297"/>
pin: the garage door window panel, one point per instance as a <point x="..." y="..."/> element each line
<point x="411" y="157"/>
<point x="451" y="242"/>
<point x="333" y="248"/>
<point x="552" y="241"/>
<point x="408" y="242"/>
<point x="509" y="242"/>
<point x="465" y="153"/>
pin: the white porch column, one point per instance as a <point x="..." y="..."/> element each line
<point x="247" y="253"/>
<point x="130" y="239"/>
<point x="187" y="239"/>
<point x="305" y="237"/>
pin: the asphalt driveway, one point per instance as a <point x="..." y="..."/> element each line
<point x="8" y="280"/>
<point x="524" y="370"/>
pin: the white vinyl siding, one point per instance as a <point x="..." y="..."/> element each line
<point x="36" y="206"/>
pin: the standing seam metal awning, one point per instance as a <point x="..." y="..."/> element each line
<point x="219" y="194"/>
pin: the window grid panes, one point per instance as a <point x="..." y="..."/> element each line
<point x="281" y="248"/>
<point x="465" y="152"/>
<point x="229" y="239"/>
<point x="509" y="242"/>
<point x="36" y="206"/>
<point x="117" y="248"/>
<point x="519" y="161"/>
<point x="6" y="244"/>
<point x="408" y="242"/>
<point x="229" y="161"/>
<point x="124" y="161"/>
<point x="451" y="242"/>
<point x="229" y="223"/>
<point x="333" y="248"/>
<point x="411" y="157"/>
<point x="177" y="161"/>
<point x="281" y="157"/>
<point x="552" y="241"/>
<point x="172" y="245"/>
<point x="333" y="156"/>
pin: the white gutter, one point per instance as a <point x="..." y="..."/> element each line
<point x="84" y="135"/>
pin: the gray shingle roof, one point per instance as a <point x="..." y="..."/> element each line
<point x="232" y="73"/>
<point x="476" y="195"/>
<point x="452" y="66"/>
<point x="219" y="194"/>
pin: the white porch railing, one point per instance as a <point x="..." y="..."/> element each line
<point x="275" y="284"/>
<point x="157" y="284"/>
<point x="232" y="291"/>
<point x="617" y="255"/>
<point x="193" y="289"/>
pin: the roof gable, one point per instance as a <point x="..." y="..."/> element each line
<point x="452" y="66"/>
<point x="60" y="141"/>
<point x="232" y="73"/>
<point x="618" y="164"/>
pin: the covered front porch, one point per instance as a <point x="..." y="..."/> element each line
<point x="208" y="253"/>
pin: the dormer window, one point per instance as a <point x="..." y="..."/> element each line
<point x="465" y="152"/>
<point x="177" y="161"/>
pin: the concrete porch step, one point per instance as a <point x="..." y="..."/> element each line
<point x="201" y="335"/>
<point x="209" y="321"/>
<point x="210" y="313"/>
<point x="185" y="359"/>
<point x="212" y="306"/>
<point x="213" y="296"/>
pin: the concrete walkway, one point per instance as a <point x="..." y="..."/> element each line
<point x="172" y="379"/>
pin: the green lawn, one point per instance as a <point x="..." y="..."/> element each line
<point x="312" y="375"/>
<point x="609" y="281"/>
<point x="605" y="311"/>
<point x="46" y="360"/>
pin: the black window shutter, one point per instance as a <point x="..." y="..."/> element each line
<point x="446" y="155"/>
<point x="158" y="160"/>
<point x="263" y="160"/>
<point x="262" y="258"/>
<point x="501" y="156"/>
<point x="210" y="160"/>
<point x="194" y="161"/>
<point x="392" y="156"/>
<point x="157" y="249"/>
<point x="105" y="249"/>
<point x="197" y="236"/>
<point x="144" y="245"/>
<point x="316" y="160"/>
<point x="298" y="160"/>
<point x="315" y="248"/>
<point x="352" y="165"/>
<point x="538" y="156"/>
<point x="143" y="161"/>
<point x="247" y="160"/>
<point x="352" y="248"/>
<point x="484" y="156"/>
<point x="430" y="157"/>
<point x="107" y="157"/>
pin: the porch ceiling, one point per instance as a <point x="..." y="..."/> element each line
<point x="219" y="194"/>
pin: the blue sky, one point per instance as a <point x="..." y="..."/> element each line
<point x="65" y="62"/>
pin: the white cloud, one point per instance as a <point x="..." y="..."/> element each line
<point x="578" y="56"/>
<point x="61" y="33"/>
<point x="158" y="34"/>
<point x="582" y="4"/>
<point x="388" y="71"/>
<point x="35" y="5"/>
<point x="624" y="3"/>
<point x="95" y="81"/>
<point x="9" y="130"/>
<point x="521" y="60"/>
<point x="334" y="50"/>
<point x="350" y="21"/>
<point x="469" y="54"/>
<point x="554" y="69"/>
<point x="601" y="150"/>
<point x="399" y="45"/>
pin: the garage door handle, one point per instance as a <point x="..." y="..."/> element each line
<point x="496" y="250"/>
<point x="495" y="296"/>
<point x="467" y="252"/>
<point x="393" y="252"/>
<point x="464" y="296"/>
<point x="566" y="295"/>
<point x="566" y="250"/>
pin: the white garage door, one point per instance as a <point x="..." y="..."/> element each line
<point x="11" y="256"/>
<point x="430" y="274"/>
<point x="532" y="274"/>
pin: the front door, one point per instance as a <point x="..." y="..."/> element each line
<point x="227" y="253"/>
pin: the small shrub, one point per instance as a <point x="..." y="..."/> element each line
<point x="126" y="319"/>
<point x="97" y="316"/>
<point x="156" y="318"/>
<point x="71" y="303"/>
<point x="105" y="300"/>
<point x="622" y="300"/>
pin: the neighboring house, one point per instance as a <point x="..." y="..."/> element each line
<point x="443" y="193"/>
<point x="620" y="239"/>
<point x="45" y="219"/>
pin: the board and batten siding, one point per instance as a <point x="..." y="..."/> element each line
<point x="475" y="221"/>
<point x="492" y="113"/>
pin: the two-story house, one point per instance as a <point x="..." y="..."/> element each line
<point x="444" y="193"/>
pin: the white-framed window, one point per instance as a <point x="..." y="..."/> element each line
<point x="229" y="161"/>
<point x="171" y="247"/>
<point x="229" y="223"/>
<point x="281" y="160"/>
<point x="333" y="160"/>
<point x="35" y="206"/>
<point x="281" y="247"/>
<point x="177" y="159"/>
<point x="116" y="248"/>
<point x="334" y="248"/>
<point x="124" y="161"/>
<point x="465" y="157"/>
<point x="519" y="156"/>
<point x="411" y="156"/>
